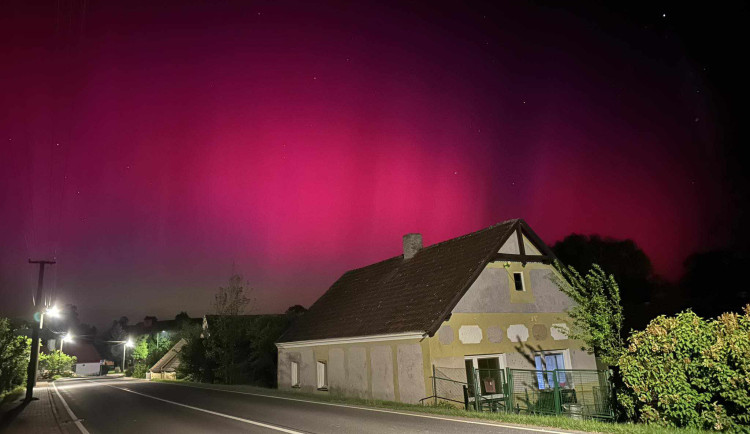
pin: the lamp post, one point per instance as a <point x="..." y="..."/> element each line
<point x="33" y="367"/>
<point x="126" y="344"/>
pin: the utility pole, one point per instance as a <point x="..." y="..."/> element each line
<point x="34" y="359"/>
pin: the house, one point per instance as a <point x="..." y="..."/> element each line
<point x="483" y="300"/>
<point x="166" y="367"/>
<point x="88" y="359"/>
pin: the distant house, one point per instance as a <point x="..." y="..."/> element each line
<point x="152" y="326"/>
<point x="166" y="367"/>
<point x="483" y="300"/>
<point x="88" y="359"/>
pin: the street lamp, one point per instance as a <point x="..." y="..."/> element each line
<point x="67" y="338"/>
<point x="126" y="344"/>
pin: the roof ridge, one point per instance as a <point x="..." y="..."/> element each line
<point x="437" y="244"/>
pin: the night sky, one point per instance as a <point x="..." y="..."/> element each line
<point x="149" y="146"/>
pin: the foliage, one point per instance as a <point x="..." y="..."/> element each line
<point x="139" y="370"/>
<point x="14" y="357"/>
<point x="684" y="371"/>
<point x="56" y="363"/>
<point x="140" y="350"/>
<point x="195" y="365"/>
<point x="597" y="316"/>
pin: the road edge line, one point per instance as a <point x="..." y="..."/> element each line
<point x="72" y="415"/>
<point x="380" y="410"/>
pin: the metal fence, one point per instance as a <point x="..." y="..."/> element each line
<point x="575" y="393"/>
<point x="449" y="384"/>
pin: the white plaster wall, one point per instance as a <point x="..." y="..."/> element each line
<point x="307" y="369"/>
<point x="336" y="371"/>
<point x="87" y="368"/>
<point x="510" y="246"/>
<point x="410" y="373"/>
<point x="356" y="368"/>
<point x="381" y="362"/>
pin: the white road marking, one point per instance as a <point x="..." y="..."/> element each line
<point x="252" y="422"/>
<point x="378" y="410"/>
<point x="70" y="412"/>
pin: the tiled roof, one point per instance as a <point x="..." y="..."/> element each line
<point x="397" y="295"/>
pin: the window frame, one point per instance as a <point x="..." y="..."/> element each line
<point x="322" y="367"/>
<point x="567" y="365"/>
<point x="523" y="281"/>
<point x="294" y="374"/>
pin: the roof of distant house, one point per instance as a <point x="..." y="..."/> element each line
<point x="171" y="325"/>
<point x="85" y="352"/>
<point x="406" y="295"/>
<point x="169" y="362"/>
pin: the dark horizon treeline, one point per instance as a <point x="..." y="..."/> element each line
<point x="709" y="285"/>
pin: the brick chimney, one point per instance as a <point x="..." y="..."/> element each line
<point x="412" y="244"/>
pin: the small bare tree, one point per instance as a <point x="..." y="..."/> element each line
<point x="225" y="331"/>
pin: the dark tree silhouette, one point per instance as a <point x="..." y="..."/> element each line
<point x="713" y="284"/>
<point x="622" y="258"/>
<point x="296" y="310"/>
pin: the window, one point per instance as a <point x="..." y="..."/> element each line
<point x="518" y="280"/>
<point x="550" y="362"/>
<point x="322" y="376"/>
<point x="295" y="374"/>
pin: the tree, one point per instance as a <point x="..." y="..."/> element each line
<point x="296" y="310"/>
<point x="597" y="313"/>
<point x="630" y="266"/>
<point x="709" y="281"/>
<point x="14" y="357"/>
<point x="115" y="333"/>
<point x="195" y="365"/>
<point x="56" y="362"/>
<point x="225" y="331"/>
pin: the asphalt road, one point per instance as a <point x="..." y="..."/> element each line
<point x="136" y="406"/>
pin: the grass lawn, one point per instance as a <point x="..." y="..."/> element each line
<point x="561" y="422"/>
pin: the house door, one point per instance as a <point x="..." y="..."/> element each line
<point x="489" y="370"/>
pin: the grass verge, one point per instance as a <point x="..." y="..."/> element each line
<point x="560" y="422"/>
<point x="11" y="395"/>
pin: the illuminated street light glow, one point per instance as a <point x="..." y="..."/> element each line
<point x="53" y="311"/>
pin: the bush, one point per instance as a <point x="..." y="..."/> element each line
<point x="685" y="371"/>
<point x="56" y="363"/>
<point x="139" y="370"/>
<point x="14" y="357"/>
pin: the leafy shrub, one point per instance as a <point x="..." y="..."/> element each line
<point x="56" y="363"/>
<point x="685" y="371"/>
<point x="14" y="357"/>
<point x="139" y="370"/>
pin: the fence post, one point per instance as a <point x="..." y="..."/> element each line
<point x="509" y="388"/>
<point x="477" y="391"/>
<point x="434" y="384"/>
<point x="557" y="393"/>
